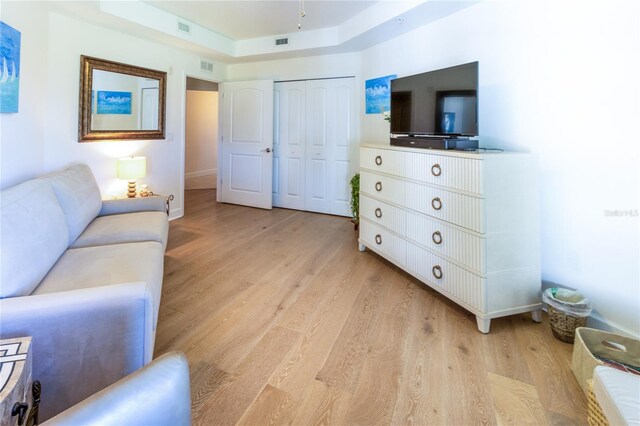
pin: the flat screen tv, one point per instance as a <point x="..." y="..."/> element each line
<point x="443" y="102"/>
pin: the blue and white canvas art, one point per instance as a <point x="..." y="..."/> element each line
<point x="10" y="68"/>
<point x="114" y="102"/>
<point x="378" y="94"/>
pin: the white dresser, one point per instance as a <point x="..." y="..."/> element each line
<point x="464" y="223"/>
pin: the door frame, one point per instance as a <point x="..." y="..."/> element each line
<point x="183" y="140"/>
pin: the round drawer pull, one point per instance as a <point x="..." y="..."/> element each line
<point x="378" y="213"/>
<point x="436" y="203"/>
<point x="378" y="239"/>
<point x="378" y="186"/>
<point x="437" y="271"/>
<point x="436" y="170"/>
<point x="436" y="237"/>
<point x="378" y="160"/>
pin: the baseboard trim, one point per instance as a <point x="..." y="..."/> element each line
<point x="201" y="173"/>
<point x="176" y="214"/>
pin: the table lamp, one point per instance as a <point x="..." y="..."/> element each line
<point x="132" y="168"/>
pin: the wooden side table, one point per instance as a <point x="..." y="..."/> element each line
<point x="19" y="395"/>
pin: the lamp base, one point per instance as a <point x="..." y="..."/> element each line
<point x="131" y="189"/>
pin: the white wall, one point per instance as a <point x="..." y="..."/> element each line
<point x="53" y="103"/>
<point x="559" y="79"/>
<point x="22" y="134"/>
<point x="201" y="133"/>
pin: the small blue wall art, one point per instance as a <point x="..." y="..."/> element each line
<point x="9" y="68"/>
<point x="378" y="94"/>
<point x="114" y="102"/>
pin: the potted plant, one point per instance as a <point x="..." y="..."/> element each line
<point x="355" y="200"/>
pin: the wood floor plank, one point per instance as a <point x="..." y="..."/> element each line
<point x="324" y="405"/>
<point x="273" y="407"/>
<point x="422" y="399"/>
<point x="516" y="402"/>
<point x="549" y="360"/>
<point x="232" y="398"/>
<point x="466" y="374"/>
<point x="284" y="321"/>
<point x="502" y="353"/>
<point x="344" y="363"/>
<point x="377" y="391"/>
<point x="320" y="336"/>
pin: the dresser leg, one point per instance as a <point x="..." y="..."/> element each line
<point x="536" y="316"/>
<point x="483" y="325"/>
<point x="361" y="247"/>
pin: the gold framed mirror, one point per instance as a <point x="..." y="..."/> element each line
<point x="120" y="102"/>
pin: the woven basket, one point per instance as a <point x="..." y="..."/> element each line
<point x="563" y="325"/>
<point x="595" y="417"/>
<point x="591" y="342"/>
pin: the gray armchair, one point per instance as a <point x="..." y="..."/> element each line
<point x="157" y="394"/>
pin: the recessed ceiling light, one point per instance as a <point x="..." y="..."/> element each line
<point x="399" y="20"/>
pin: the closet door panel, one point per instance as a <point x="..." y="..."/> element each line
<point x="330" y="139"/>
<point x="289" y="145"/>
<point x="314" y="145"/>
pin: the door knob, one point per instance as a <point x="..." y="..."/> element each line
<point x="266" y="150"/>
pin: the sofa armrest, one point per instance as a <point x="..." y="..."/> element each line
<point x="82" y="340"/>
<point x="133" y="205"/>
<point x="158" y="394"/>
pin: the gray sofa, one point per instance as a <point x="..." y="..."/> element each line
<point x="83" y="277"/>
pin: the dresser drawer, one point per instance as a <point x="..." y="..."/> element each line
<point x="383" y="160"/>
<point x="383" y="187"/>
<point x="463" y="174"/>
<point x="456" y="282"/>
<point x="384" y="241"/>
<point x="459" y="209"/>
<point x="465" y="248"/>
<point x="383" y="214"/>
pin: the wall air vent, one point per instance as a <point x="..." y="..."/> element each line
<point x="183" y="27"/>
<point x="282" y="41"/>
<point x="206" y="66"/>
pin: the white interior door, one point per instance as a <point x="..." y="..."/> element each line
<point x="247" y="143"/>
<point x="330" y="138"/>
<point x="149" y="116"/>
<point x="289" y="145"/>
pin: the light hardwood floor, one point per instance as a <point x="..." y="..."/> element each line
<point x="284" y="321"/>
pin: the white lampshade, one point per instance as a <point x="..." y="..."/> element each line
<point x="132" y="167"/>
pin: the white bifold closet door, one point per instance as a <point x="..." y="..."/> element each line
<point x="314" y="145"/>
<point x="289" y="145"/>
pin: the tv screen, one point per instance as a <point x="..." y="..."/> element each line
<point x="441" y="102"/>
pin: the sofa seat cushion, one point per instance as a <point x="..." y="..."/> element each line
<point x="125" y="228"/>
<point x="34" y="235"/>
<point x="79" y="197"/>
<point x="106" y="265"/>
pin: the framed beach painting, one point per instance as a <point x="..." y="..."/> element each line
<point x="114" y="102"/>
<point x="10" y="68"/>
<point x="378" y="94"/>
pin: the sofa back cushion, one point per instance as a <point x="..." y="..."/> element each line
<point x="79" y="197"/>
<point x="33" y="235"/>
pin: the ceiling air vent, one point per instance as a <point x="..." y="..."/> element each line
<point x="282" y="41"/>
<point x="206" y="66"/>
<point x="183" y="27"/>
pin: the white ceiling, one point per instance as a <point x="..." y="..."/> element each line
<point x="247" y="19"/>
<point x="245" y="30"/>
